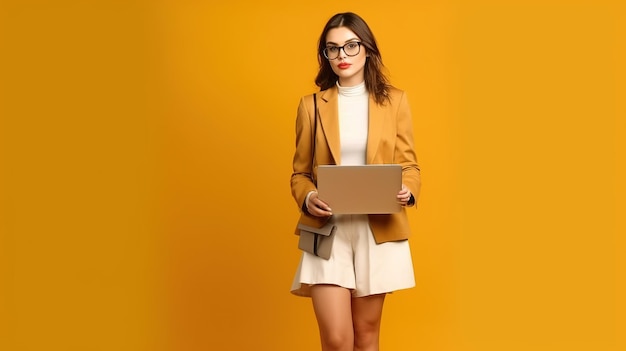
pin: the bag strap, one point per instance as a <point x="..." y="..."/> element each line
<point x="315" y="244"/>
<point x="313" y="141"/>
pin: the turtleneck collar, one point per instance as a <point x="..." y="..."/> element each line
<point x="356" y="90"/>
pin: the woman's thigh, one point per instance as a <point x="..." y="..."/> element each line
<point x="333" y="309"/>
<point x="366" y="316"/>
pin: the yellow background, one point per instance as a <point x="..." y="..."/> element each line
<point x="143" y="144"/>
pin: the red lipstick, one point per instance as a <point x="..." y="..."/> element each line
<point x="344" y="65"/>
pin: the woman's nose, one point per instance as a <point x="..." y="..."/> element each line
<point x="342" y="53"/>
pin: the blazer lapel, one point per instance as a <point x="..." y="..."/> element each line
<point x="329" y="120"/>
<point x="375" y="127"/>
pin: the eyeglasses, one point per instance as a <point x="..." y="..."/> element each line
<point x="350" y="49"/>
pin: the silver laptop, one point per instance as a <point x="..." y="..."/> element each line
<point x="367" y="189"/>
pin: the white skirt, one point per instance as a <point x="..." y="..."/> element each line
<point x="357" y="262"/>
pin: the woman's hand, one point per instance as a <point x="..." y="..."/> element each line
<point x="317" y="207"/>
<point x="404" y="196"/>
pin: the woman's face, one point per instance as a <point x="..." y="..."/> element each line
<point x="349" y="69"/>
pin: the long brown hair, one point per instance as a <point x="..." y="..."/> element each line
<point x="376" y="82"/>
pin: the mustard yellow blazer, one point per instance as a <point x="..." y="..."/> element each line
<point x="389" y="141"/>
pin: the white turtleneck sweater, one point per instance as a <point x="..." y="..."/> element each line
<point x="353" y="123"/>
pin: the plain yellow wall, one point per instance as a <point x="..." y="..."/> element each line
<point x="145" y="155"/>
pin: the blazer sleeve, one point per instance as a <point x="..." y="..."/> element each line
<point x="405" y="148"/>
<point x="302" y="177"/>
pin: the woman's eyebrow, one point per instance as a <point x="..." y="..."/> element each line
<point x="347" y="41"/>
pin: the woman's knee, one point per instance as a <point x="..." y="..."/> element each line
<point x="366" y="333"/>
<point x="338" y="341"/>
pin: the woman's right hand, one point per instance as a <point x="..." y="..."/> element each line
<point x="317" y="207"/>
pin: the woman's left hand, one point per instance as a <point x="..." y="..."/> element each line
<point x="404" y="196"/>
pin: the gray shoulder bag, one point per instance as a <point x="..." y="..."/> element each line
<point x="316" y="241"/>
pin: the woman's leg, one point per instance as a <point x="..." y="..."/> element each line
<point x="367" y="312"/>
<point x="332" y="305"/>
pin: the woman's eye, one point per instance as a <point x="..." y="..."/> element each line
<point x="352" y="45"/>
<point x="333" y="49"/>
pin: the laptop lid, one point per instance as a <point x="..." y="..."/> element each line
<point x="366" y="189"/>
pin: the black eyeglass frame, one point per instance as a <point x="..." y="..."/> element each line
<point x="339" y="48"/>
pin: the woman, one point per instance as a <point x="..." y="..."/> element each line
<point x="361" y="119"/>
